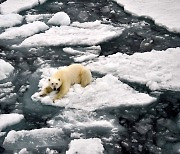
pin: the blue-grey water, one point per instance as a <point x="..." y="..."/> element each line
<point x="150" y="129"/>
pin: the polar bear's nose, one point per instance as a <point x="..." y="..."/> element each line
<point x="54" y="89"/>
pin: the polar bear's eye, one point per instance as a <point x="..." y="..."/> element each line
<point x="56" y="83"/>
<point x="52" y="83"/>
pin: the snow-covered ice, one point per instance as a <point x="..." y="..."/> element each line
<point x="24" y="30"/>
<point x="89" y="33"/>
<point x="157" y="69"/>
<point x="60" y="19"/>
<point x="15" y="6"/>
<point x="31" y="18"/>
<point x="9" y="119"/>
<point x="164" y="13"/>
<point x="86" y="146"/>
<point x="33" y="138"/>
<point x="49" y="151"/>
<point x="5" y="69"/>
<point x="10" y="20"/>
<point x="73" y="120"/>
<point x="92" y="97"/>
<point x="83" y="54"/>
<point x="23" y="151"/>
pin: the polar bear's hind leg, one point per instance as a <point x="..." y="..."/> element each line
<point x="86" y="77"/>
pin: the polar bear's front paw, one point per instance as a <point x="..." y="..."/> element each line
<point x="41" y="94"/>
<point x="54" y="100"/>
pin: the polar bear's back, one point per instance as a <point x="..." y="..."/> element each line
<point x="75" y="73"/>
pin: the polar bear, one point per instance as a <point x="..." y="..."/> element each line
<point x="62" y="80"/>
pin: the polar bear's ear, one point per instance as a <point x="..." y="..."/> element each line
<point x="49" y="79"/>
<point x="59" y="79"/>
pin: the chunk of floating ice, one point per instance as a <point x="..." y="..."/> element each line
<point x="5" y="69"/>
<point x="90" y="33"/>
<point x="163" y="13"/>
<point x="49" y="151"/>
<point x="10" y="20"/>
<point x="92" y="97"/>
<point x="24" y="31"/>
<point x="15" y="6"/>
<point x="60" y="18"/>
<point x="86" y="146"/>
<point x="31" y="138"/>
<point x="31" y="18"/>
<point x="9" y="119"/>
<point x="83" y="54"/>
<point x="157" y="69"/>
<point x="23" y="151"/>
<point x="82" y="120"/>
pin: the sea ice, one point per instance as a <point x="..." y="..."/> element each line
<point x="90" y="33"/>
<point x="23" y="151"/>
<point x="164" y="12"/>
<point x="24" y="30"/>
<point x="92" y="97"/>
<point x="60" y="19"/>
<point x="5" y="69"/>
<point x="79" y="121"/>
<point x="83" y="54"/>
<point x="32" y="138"/>
<point x="31" y="18"/>
<point x="157" y="69"/>
<point x="49" y="151"/>
<point x="10" y="20"/>
<point x="9" y="119"/>
<point x="86" y="146"/>
<point x="15" y="6"/>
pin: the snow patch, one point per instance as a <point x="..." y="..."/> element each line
<point x="10" y="20"/>
<point x="24" y="30"/>
<point x="15" y="6"/>
<point x="5" y="69"/>
<point x="165" y="13"/>
<point x="86" y="146"/>
<point x="60" y="18"/>
<point x="90" y="33"/>
<point x="157" y="69"/>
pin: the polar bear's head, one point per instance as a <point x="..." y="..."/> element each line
<point x="54" y="83"/>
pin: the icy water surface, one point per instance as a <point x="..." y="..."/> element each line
<point x="151" y="128"/>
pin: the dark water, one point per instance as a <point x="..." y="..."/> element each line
<point x="152" y="129"/>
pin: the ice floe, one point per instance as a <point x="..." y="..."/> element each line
<point x="5" y="69"/>
<point x="10" y="20"/>
<point x="157" y="69"/>
<point x="86" y="146"/>
<point x="24" y="30"/>
<point x="9" y="120"/>
<point x="33" y="138"/>
<point x="92" y="97"/>
<point x="78" y="121"/>
<point x="89" y="33"/>
<point x="31" y="18"/>
<point x="23" y="151"/>
<point x="15" y="6"/>
<point x="164" y="12"/>
<point x="60" y="19"/>
<point x="83" y="54"/>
